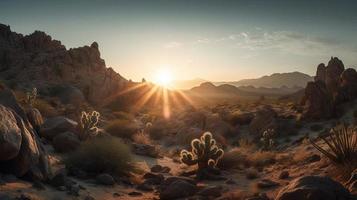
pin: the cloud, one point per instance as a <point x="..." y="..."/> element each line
<point x="172" y="45"/>
<point x="287" y="41"/>
<point x="281" y="41"/>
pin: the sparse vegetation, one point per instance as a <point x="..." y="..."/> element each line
<point x="31" y="97"/>
<point x="341" y="145"/>
<point x="205" y="153"/>
<point x="101" y="155"/>
<point x="267" y="140"/>
<point x="142" y="138"/>
<point x="122" y="128"/>
<point x="88" y="124"/>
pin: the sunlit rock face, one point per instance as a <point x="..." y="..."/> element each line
<point x="36" y="60"/>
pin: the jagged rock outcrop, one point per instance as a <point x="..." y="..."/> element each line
<point x="318" y="102"/>
<point x="36" y="60"/>
<point x="333" y="86"/>
<point x="22" y="153"/>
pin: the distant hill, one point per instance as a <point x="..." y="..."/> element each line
<point x="226" y="91"/>
<point x="187" y="84"/>
<point x="276" y="80"/>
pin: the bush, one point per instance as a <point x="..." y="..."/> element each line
<point x="342" y="145"/>
<point x="141" y="138"/>
<point x="122" y="128"/>
<point x="316" y="127"/>
<point x="45" y="108"/>
<point x="101" y="155"/>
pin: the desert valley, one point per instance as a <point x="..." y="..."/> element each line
<point x="72" y="127"/>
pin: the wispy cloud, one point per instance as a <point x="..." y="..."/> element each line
<point x="172" y="45"/>
<point x="283" y="41"/>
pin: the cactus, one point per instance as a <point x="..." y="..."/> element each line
<point x="267" y="139"/>
<point x="205" y="153"/>
<point x="88" y="124"/>
<point x="31" y="97"/>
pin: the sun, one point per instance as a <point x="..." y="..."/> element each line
<point x="163" y="77"/>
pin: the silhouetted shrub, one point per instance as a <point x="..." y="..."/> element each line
<point x="122" y="128"/>
<point x="341" y="145"/>
<point x="101" y="155"/>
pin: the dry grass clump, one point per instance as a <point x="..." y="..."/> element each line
<point x="122" y="128"/>
<point x="101" y="155"/>
<point x="241" y="157"/>
<point x="251" y="173"/>
<point x="141" y="138"/>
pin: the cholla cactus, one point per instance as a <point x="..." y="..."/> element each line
<point x="267" y="139"/>
<point x="31" y="97"/>
<point x="205" y="153"/>
<point x="88" y="124"/>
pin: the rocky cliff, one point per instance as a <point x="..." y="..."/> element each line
<point x="36" y="60"/>
<point x="333" y="86"/>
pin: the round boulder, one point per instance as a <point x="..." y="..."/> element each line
<point x="56" y="125"/>
<point x="65" y="142"/>
<point x="313" y="188"/>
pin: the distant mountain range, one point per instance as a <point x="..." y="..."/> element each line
<point x="276" y="80"/>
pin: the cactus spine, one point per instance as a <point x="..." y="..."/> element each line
<point x="205" y="153"/>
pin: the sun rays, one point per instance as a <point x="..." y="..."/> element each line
<point x="157" y="96"/>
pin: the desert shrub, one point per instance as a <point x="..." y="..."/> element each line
<point x="101" y="155"/>
<point x="261" y="158"/>
<point x="88" y="124"/>
<point x="45" y="108"/>
<point x="122" y="128"/>
<point x="251" y="173"/>
<point x="141" y="138"/>
<point x="267" y="140"/>
<point x="341" y="145"/>
<point x="316" y="127"/>
<point x="31" y="97"/>
<point x="204" y="153"/>
<point x="232" y="159"/>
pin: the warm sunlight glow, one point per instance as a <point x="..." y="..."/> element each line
<point x="163" y="77"/>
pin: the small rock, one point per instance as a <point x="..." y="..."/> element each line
<point x="105" y="179"/>
<point x="153" y="178"/>
<point x="160" y="169"/>
<point x="9" y="178"/>
<point x="178" y="189"/>
<point x="145" y="187"/>
<point x="134" y="193"/>
<point x="38" y="185"/>
<point x="115" y="195"/>
<point x="313" y="158"/>
<point x="266" y="183"/>
<point x="284" y="175"/>
<point x="230" y="182"/>
<point x="212" y="191"/>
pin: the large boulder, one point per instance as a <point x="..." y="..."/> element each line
<point x="348" y="87"/>
<point x="65" y="142"/>
<point x="314" y="188"/>
<point x="32" y="159"/>
<point x="264" y="119"/>
<point x="318" y="102"/>
<point x="321" y="73"/>
<point x="10" y="135"/>
<point x="56" y="125"/>
<point x="35" y="118"/>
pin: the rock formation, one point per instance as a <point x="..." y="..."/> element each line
<point x="21" y="152"/>
<point x="36" y="60"/>
<point x="333" y="86"/>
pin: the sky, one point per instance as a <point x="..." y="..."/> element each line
<point x="216" y="40"/>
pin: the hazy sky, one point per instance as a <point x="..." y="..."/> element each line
<point x="214" y="39"/>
